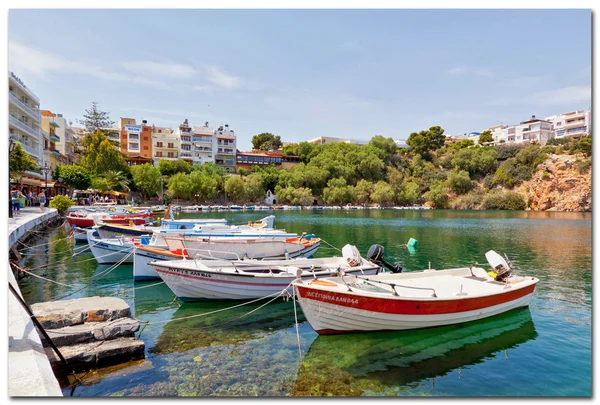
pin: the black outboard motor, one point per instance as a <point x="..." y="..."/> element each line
<point x="375" y="255"/>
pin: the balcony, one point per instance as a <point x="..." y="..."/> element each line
<point x="23" y="127"/>
<point x="186" y="155"/>
<point x="576" y="123"/>
<point x="54" y="138"/>
<point x="224" y="135"/>
<point x="17" y="82"/>
<point x="33" y="151"/>
<point x="34" y="113"/>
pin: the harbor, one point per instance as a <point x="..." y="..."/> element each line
<point x="266" y="346"/>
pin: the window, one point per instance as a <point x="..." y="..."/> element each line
<point x="559" y="123"/>
<point x="158" y="154"/>
<point x="159" y="144"/>
<point x="171" y="154"/>
<point x="170" y="144"/>
<point x="134" y="146"/>
<point x="145" y="138"/>
<point x="145" y="148"/>
<point x="129" y="122"/>
<point x="160" y="131"/>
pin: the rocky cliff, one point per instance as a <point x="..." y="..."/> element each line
<point x="561" y="183"/>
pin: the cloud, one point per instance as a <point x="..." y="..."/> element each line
<point x="561" y="96"/>
<point x="222" y="79"/>
<point x="461" y="71"/>
<point x="149" y="68"/>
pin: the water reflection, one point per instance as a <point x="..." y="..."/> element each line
<point x="367" y="364"/>
<point x="223" y="324"/>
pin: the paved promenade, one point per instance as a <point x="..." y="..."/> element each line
<point x="29" y="371"/>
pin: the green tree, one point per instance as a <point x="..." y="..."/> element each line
<point x="205" y="185"/>
<point x="383" y="193"/>
<point x="62" y="203"/>
<point x="147" y="179"/>
<point x="100" y="184"/>
<point x="19" y="162"/>
<point x="426" y="140"/>
<point x="170" y="167"/>
<point x="266" y="141"/>
<point x="486" y="137"/>
<point x="234" y="188"/>
<point x="100" y="155"/>
<point x="74" y="176"/>
<point x="437" y="194"/>
<point x="338" y="192"/>
<point x="116" y="180"/>
<point x="180" y="185"/>
<point x="269" y="176"/>
<point x="387" y="146"/>
<point x="363" y="190"/>
<point x="254" y="189"/>
<point x="460" y="182"/>
<point x="302" y="196"/>
<point x="95" y="119"/>
<point x="290" y="150"/>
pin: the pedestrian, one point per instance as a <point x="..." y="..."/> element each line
<point x="42" y="197"/>
<point x="30" y="198"/>
<point x="15" y="201"/>
<point x="105" y="198"/>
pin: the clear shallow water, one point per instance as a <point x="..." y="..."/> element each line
<point x="545" y="350"/>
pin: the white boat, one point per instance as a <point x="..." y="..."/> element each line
<point x="414" y="300"/>
<point x="235" y="207"/>
<point x="251" y="247"/>
<point x="158" y="208"/>
<point x="196" y="280"/>
<point x="110" y="250"/>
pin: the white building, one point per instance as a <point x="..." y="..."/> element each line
<point x="24" y="124"/>
<point x="66" y="134"/>
<point x="224" y="149"/>
<point x="534" y="130"/>
<point x="401" y="143"/>
<point x="165" y="144"/>
<point x="202" y="144"/>
<point x="573" y="124"/>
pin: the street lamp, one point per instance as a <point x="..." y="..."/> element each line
<point x="46" y="169"/>
<point x="11" y="146"/>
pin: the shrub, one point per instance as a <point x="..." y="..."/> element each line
<point x="460" y="182"/>
<point x="498" y="200"/>
<point x="437" y="194"/>
<point x="583" y="165"/>
<point x="469" y="201"/>
<point x="62" y="203"/>
<point x="508" y="150"/>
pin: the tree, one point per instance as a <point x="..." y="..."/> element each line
<point x="95" y="119"/>
<point x="74" y="176"/>
<point x="254" y="189"/>
<point x="363" y="191"/>
<point x="386" y="145"/>
<point x="62" y="203"/>
<point x="485" y="137"/>
<point x="266" y="141"/>
<point x="234" y="188"/>
<point x="460" y="182"/>
<point x="181" y="186"/>
<point x="424" y="141"/>
<point x="382" y="193"/>
<point x="437" y="194"/>
<point x="100" y="184"/>
<point x="338" y="192"/>
<point x="170" y="167"/>
<point x="116" y="180"/>
<point x="290" y="150"/>
<point x="302" y="196"/>
<point x="19" y="162"/>
<point x="147" y="179"/>
<point x="100" y="155"/>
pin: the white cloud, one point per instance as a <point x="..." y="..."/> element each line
<point x="175" y="70"/>
<point x="460" y="71"/>
<point x="561" y="96"/>
<point x="222" y="79"/>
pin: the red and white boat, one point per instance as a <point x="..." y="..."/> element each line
<point x="87" y="219"/>
<point x="413" y="300"/>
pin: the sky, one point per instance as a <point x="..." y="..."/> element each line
<point x="301" y="74"/>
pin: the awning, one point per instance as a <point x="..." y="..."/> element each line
<point x="54" y="124"/>
<point x="54" y="138"/>
<point x="117" y="193"/>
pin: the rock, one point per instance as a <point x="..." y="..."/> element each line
<point x="59" y="314"/>
<point x="90" y="331"/>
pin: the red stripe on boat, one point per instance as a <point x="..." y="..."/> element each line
<point x="402" y="306"/>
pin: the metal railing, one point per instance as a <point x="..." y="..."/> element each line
<point x="23" y="127"/>
<point x="32" y="112"/>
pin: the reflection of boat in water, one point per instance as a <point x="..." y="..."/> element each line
<point x="152" y="298"/>
<point x="229" y="326"/>
<point x="356" y="364"/>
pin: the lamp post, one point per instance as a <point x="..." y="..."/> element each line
<point x="60" y="180"/>
<point x="46" y="169"/>
<point x="11" y="146"/>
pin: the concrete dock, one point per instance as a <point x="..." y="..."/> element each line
<point x="29" y="370"/>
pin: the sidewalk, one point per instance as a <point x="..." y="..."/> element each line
<point x="29" y="371"/>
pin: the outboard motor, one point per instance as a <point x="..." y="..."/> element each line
<point x="375" y="255"/>
<point x="502" y="265"/>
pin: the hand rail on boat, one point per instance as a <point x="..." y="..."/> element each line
<point x="393" y="285"/>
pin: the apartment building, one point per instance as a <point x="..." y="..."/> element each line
<point x="224" y="149"/>
<point x="24" y="125"/>
<point x="136" y="141"/>
<point x="50" y="127"/>
<point x="202" y="144"/>
<point x="64" y="132"/>
<point x="572" y="124"/>
<point x="322" y="140"/>
<point x="246" y="160"/>
<point x="165" y="144"/>
<point x="534" y="130"/>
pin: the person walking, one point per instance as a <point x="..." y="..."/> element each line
<point x="30" y="198"/>
<point x="42" y="201"/>
<point x="15" y="201"/>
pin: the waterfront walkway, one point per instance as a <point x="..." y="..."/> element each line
<point x="29" y="371"/>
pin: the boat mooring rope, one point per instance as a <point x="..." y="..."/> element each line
<point x="330" y="245"/>
<point x="296" y="322"/>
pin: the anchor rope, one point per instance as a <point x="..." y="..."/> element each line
<point x="330" y="245"/>
<point x="296" y="324"/>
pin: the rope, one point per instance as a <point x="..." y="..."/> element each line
<point x="70" y="258"/>
<point x="43" y="278"/>
<point x="276" y="294"/>
<point x="330" y="245"/>
<point x="296" y="320"/>
<point x="42" y="244"/>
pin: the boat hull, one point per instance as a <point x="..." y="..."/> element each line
<point x="232" y="250"/>
<point x="332" y="310"/>
<point x="106" y="252"/>
<point x="191" y="285"/>
<point x="142" y="270"/>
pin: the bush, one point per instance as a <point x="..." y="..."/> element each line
<point x="469" y="201"/>
<point x="62" y="204"/>
<point x="460" y="182"/>
<point x="583" y="165"/>
<point x="510" y="200"/>
<point x="508" y="150"/>
<point x="437" y="194"/>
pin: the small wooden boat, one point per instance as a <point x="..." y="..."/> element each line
<point x="414" y="300"/>
<point x="197" y="280"/>
<point x="107" y="251"/>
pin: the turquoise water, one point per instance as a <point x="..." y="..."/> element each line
<point x="254" y="350"/>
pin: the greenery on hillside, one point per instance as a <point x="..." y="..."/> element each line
<point x="456" y="175"/>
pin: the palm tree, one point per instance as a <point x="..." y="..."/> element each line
<point x="116" y="179"/>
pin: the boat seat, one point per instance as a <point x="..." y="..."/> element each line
<point x="323" y="282"/>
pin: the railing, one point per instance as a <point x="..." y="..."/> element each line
<point x="33" y="113"/>
<point x="29" y="149"/>
<point x="23" y="127"/>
